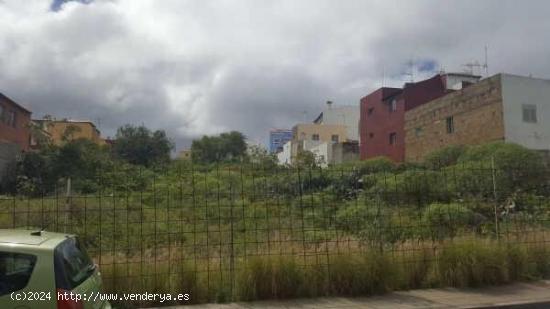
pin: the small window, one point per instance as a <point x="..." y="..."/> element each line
<point x="11" y="119"/>
<point x="450" y="125"/>
<point x="529" y="113"/>
<point x="393" y="138"/>
<point x="334" y="138"/>
<point x="370" y="111"/>
<point x="393" y="105"/>
<point x="1" y="113"/>
<point x="418" y="131"/>
<point x="371" y="135"/>
<point x="315" y="137"/>
<point x="15" y="271"/>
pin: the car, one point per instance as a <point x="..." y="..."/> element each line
<point x="40" y="269"/>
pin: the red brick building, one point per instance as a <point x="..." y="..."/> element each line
<point x="382" y="121"/>
<point x="14" y="123"/>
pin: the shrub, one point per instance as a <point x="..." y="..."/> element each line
<point x="445" y="156"/>
<point x="472" y="264"/>
<point x="420" y="186"/>
<point x="362" y="274"/>
<point x="446" y="220"/>
<point x="268" y="278"/>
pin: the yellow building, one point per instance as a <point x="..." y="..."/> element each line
<point x="319" y="132"/>
<point x="61" y="131"/>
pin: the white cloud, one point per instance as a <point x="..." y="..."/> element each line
<point x="201" y="67"/>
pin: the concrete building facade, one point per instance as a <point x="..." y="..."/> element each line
<point x="319" y="132"/>
<point x="60" y="130"/>
<point x="382" y="122"/>
<point x="503" y="107"/>
<point x="14" y="123"/>
<point x="336" y="153"/>
<point x="14" y="132"/>
<point x="346" y="115"/>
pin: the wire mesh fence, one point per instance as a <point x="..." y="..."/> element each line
<point x="239" y="232"/>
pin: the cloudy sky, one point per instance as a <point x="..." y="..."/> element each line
<point x="203" y="67"/>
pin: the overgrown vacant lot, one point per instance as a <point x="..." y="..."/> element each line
<point x="465" y="217"/>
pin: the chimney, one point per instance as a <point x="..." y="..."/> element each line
<point x="329" y="104"/>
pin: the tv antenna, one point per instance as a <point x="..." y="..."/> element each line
<point x="469" y="67"/>
<point x="410" y="73"/>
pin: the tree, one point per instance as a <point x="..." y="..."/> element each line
<point x="70" y="133"/>
<point x="141" y="146"/>
<point x="230" y="146"/>
<point x="40" y="137"/>
<point x="259" y="155"/>
<point x="305" y="158"/>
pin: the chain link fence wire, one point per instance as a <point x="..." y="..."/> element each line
<point x="241" y="232"/>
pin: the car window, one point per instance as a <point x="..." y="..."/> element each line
<point x="15" y="271"/>
<point x="72" y="264"/>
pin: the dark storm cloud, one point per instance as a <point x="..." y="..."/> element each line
<point x="264" y="97"/>
<point x="197" y="68"/>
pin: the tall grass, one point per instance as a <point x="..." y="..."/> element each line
<point x="462" y="263"/>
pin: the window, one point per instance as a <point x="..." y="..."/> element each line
<point x="370" y="111"/>
<point x="1" y="113"/>
<point x="11" y="118"/>
<point x="418" y="131"/>
<point x="72" y="265"/>
<point x="15" y="271"/>
<point x="529" y="113"/>
<point x="334" y="138"/>
<point x="393" y="138"/>
<point x="371" y="135"/>
<point x="393" y="105"/>
<point x="315" y="137"/>
<point x="450" y="125"/>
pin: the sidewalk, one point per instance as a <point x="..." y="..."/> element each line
<point x="519" y="295"/>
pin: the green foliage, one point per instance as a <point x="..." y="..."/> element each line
<point x="267" y="278"/>
<point x="226" y="147"/>
<point x="261" y="158"/>
<point x="88" y="165"/>
<point x="361" y="274"/>
<point x="305" y="159"/>
<point x="141" y="146"/>
<point x="349" y="179"/>
<point x="443" y="221"/>
<point x="472" y="264"/>
<point x="375" y="165"/>
<point x="505" y="155"/>
<point x="445" y="156"/>
<point x="418" y="187"/>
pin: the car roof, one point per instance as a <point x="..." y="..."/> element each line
<point x="30" y="237"/>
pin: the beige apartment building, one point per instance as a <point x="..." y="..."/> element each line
<point x="319" y="132"/>
<point x="59" y="131"/>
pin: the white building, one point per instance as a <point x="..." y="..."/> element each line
<point x="346" y="115"/>
<point x="526" y="110"/>
<point x="285" y="156"/>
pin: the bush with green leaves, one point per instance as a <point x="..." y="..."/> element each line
<point x="445" y="156"/>
<point x="418" y="187"/>
<point x="442" y="221"/>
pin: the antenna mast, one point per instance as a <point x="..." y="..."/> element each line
<point x="383" y="75"/>
<point x="411" y="70"/>
<point x="486" y="64"/>
<point x="475" y="64"/>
